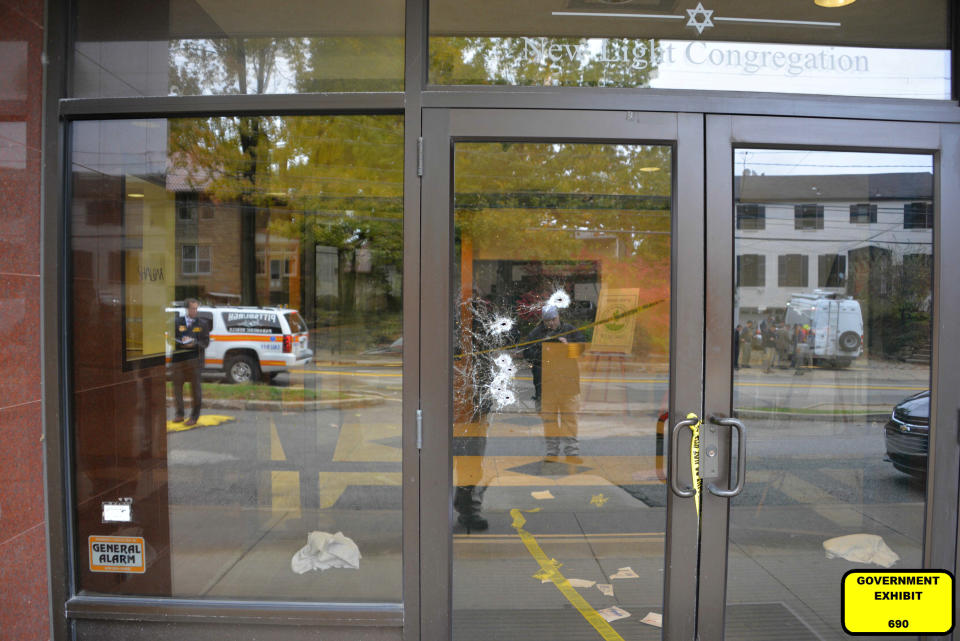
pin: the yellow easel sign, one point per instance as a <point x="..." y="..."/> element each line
<point x="912" y="602"/>
<point x="617" y="307"/>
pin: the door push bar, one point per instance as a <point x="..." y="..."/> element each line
<point x="741" y="455"/>
<point x="708" y="455"/>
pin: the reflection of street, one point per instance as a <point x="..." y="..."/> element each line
<point x="245" y="493"/>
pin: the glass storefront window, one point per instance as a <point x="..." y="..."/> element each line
<point x="197" y="47"/>
<point x="282" y="479"/>
<point x="880" y="49"/>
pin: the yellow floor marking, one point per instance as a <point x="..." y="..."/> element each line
<point x="333" y="484"/>
<point x="285" y="490"/>
<point x="205" y="420"/>
<point x="550" y="570"/>
<point x="356" y="443"/>
<point x="276" y="447"/>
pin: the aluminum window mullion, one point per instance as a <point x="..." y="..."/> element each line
<point x="690" y="101"/>
<point x="131" y="608"/>
<point x="273" y="104"/>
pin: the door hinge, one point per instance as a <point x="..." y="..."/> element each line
<point x="419" y="429"/>
<point x="420" y="156"/>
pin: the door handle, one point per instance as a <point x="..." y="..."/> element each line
<point x="741" y="455"/>
<point x="674" y="450"/>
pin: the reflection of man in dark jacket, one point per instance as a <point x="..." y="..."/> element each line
<point x="192" y="337"/>
<point x="554" y="350"/>
<point x="472" y="405"/>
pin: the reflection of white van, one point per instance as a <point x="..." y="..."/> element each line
<point x="836" y="323"/>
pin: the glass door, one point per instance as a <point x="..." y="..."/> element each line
<point x="822" y="304"/>
<point x="563" y="335"/>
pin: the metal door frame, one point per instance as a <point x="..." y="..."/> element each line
<point x="723" y="134"/>
<point x="442" y="128"/>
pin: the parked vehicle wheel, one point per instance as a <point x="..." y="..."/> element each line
<point x="849" y="341"/>
<point x="242" y="369"/>
<point x="843" y="362"/>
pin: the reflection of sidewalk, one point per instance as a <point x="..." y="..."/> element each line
<point x="864" y="392"/>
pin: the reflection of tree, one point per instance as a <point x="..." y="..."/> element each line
<point x="586" y="205"/>
<point x="334" y="181"/>
<point x="285" y="65"/>
<point x="227" y="65"/>
<point x="895" y="293"/>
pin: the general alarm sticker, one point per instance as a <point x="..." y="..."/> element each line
<point x="914" y="602"/>
<point x="117" y="554"/>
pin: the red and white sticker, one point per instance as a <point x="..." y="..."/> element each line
<point x="117" y="554"/>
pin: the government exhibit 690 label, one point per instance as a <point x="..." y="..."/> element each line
<point x="913" y="602"/>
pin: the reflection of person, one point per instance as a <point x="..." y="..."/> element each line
<point x="746" y="344"/>
<point x="784" y="341"/>
<point x="192" y="337"/>
<point x="471" y="416"/>
<point x="554" y="349"/>
<point x="736" y="346"/>
<point x="769" y="332"/>
<point x="802" y="348"/>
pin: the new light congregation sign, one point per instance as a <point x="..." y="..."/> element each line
<point x="647" y="54"/>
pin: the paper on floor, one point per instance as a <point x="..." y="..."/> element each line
<point x="605" y="588"/>
<point x="581" y="583"/>
<point x="861" y="548"/>
<point x="324" y="551"/>
<point x="545" y="494"/>
<point x="613" y="613"/>
<point x="653" y="619"/>
<point x="624" y="573"/>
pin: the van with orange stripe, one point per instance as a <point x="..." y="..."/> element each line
<point x="247" y="343"/>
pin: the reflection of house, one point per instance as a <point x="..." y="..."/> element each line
<point x="207" y="248"/>
<point x="842" y="233"/>
<point x="210" y="263"/>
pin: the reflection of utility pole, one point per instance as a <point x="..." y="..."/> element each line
<point x="263" y="58"/>
<point x="249" y="138"/>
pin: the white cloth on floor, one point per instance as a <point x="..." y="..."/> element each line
<point x="323" y="551"/>
<point x="861" y="548"/>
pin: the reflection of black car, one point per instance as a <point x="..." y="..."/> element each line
<point x="907" y="434"/>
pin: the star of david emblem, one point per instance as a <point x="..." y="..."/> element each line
<point x="696" y="21"/>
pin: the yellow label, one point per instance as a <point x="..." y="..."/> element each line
<point x="914" y="602"/>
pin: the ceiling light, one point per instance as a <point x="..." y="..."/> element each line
<point x="833" y="3"/>
<point x="134" y="195"/>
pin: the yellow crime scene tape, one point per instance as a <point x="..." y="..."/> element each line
<point x="617" y="316"/>
<point x="695" y="462"/>
<point x="550" y="569"/>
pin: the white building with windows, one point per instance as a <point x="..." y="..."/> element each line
<point x="841" y="233"/>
